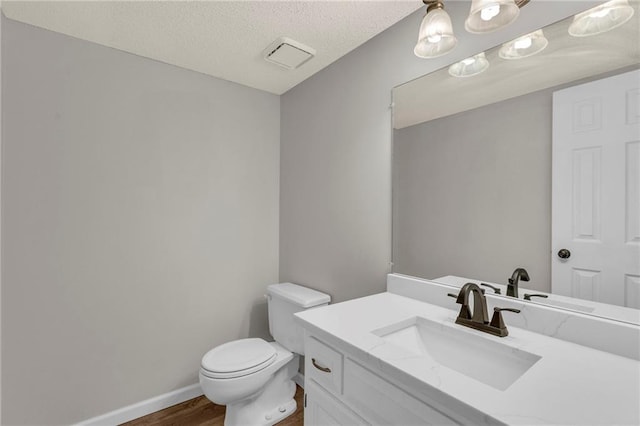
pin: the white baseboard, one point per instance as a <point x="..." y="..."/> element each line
<point x="154" y="404"/>
<point x="143" y="408"/>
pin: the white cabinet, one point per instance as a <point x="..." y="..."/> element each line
<point x="385" y="403"/>
<point x="340" y="390"/>
<point x="322" y="409"/>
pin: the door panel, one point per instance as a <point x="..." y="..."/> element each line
<point x="596" y="190"/>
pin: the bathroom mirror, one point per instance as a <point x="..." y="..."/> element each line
<point x="473" y="176"/>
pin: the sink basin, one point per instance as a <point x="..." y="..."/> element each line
<point x="481" y="358"/>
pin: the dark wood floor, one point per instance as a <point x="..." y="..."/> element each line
<point x="201" y="411"/>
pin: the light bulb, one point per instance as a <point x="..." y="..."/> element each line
<point x="523" y="43"/>
<point x="470" y="66"/>
<point x="600" y="13"/>
<point x="435" y="37"/>
<point x="601" y="19"/>
<point x="486" y="16"/>
<point x="490" y="12"/>
<point x="524" y="46"/>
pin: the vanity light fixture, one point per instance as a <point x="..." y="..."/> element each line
<point x="600" y="19"/>
<point x="435" y="37"/>
<point x="487" y="16"/>
<point x="470" y="66"/>
<point x="522" y="47"/>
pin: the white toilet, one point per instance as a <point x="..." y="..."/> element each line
<point x="252" y="377"/>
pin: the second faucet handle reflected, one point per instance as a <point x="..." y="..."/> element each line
<point x="496" y="290"/>
<point x="529" y="296"/>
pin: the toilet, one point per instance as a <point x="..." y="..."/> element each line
<point x="253" y="377"/>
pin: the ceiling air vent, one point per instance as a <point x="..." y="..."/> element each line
<point x="288" y="53"/>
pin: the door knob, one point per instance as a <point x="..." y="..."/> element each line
<point x="564" y="254"/>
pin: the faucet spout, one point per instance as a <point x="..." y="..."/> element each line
<point x="479" y="314"/>
<point x="518" y="274"/>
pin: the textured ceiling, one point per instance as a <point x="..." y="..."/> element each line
<point x="224" y="39"/>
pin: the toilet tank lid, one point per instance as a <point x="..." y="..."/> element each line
<point x="299" y="295"/>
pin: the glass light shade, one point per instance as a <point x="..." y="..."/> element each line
<point x="522" y="47"/>
<point x="436" y="35"/>
<point x="601" y="18"/>
<point x="486" y="16"/>
<point x="470" y="66"/>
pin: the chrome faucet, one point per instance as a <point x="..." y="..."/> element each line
<point x="479" y="319"/>
<point x="518" y="274"/>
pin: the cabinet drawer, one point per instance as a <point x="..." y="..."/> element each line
<point x="323" y="364"/>
<point x="382" y="403"/>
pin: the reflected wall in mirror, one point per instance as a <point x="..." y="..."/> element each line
<point x="473" y="181"/>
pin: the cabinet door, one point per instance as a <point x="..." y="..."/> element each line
<point x="383" y="403"/>
<point x="322" y="409"/>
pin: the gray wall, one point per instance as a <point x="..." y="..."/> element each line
<point x="139" y="223"/>
<point x="472" y="193"/>
<point x="335" y="200"/>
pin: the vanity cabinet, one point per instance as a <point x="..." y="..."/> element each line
<point x="342" y="390"/>
<point x="324" y="409"/>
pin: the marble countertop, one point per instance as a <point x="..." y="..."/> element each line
<point x="570" y="384"/>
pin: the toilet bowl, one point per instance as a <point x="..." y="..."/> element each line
<point x="259" y="394"/>
<point x="253" y="377"/>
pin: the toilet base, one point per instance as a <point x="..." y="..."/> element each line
<point x="276" y="415"/>
<point x="269" y="406"/>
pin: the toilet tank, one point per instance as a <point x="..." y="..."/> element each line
<point x="284" y="300"/>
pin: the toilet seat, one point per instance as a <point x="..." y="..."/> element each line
<point x="238" y="358"/>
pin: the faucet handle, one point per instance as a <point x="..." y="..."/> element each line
<point x="498" y="322"/>
<point x="517" y="311"/>
<point x="496" y="290"/>
<point x="529" y="296"/>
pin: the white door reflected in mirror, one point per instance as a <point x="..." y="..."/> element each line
<point x="596" y="191"/>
